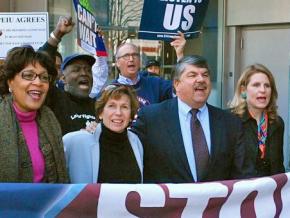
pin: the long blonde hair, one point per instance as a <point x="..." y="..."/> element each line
<point x="238" y="104"/>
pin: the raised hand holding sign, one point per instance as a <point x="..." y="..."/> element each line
<point x="161" y="19"/>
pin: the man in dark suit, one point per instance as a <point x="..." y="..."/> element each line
<point x="166" y="132"/>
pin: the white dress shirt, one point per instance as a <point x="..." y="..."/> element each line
<point x="184" y="113"/>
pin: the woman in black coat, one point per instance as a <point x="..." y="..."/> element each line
<point x="255" y="103"/>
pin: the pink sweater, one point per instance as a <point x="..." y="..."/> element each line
<point x="30" y="131"/>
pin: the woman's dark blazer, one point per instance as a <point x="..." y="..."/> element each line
<point x="274" y="143"/>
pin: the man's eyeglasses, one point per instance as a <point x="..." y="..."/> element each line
<point x="31" y="76"/>
<point x="127" y="56"/>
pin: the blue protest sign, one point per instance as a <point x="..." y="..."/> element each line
<point x="161" y="19"/>
<point x="87" y="29"/>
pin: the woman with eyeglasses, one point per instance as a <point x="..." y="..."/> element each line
<point x="30" y="136"/>
<point x="111" y="154"/>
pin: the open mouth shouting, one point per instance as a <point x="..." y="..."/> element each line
<point x="131" y="67"/>
<point x="84" y="83"/>
<point x="262" y="99"/>
<point x="36" y="95"/>
<point x="200" y="88"/>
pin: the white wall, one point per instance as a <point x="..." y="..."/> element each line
<point x="243" y="12"/>
<point x="254" y="14"/>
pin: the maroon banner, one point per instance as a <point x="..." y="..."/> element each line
<point x="257" y="197"/>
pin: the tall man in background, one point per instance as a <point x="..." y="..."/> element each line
<point x="149" y="89"/>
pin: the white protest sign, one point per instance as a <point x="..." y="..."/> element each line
<point x="17" y="29"/>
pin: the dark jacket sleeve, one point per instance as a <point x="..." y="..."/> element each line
<point x="51" y="126"/>
<point x="49" y="49"/>
<point x="139" y="126"/>
<point x="277" y="156"/>
<point x="166" y="89"/>
<point x="244" y="167"/>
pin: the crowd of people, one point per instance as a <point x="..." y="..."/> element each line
<point x="60" y="123"/>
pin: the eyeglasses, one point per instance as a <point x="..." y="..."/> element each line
<point x="127" y="56"/>
<point x="31" y="76"/>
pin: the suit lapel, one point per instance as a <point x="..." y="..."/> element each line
<point x="215" y="127"/>
<point x="172" y="124"/>
<point x="272" y="128"/>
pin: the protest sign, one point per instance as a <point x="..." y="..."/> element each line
<point x="256" y="197"/>
<point x="87" y="29"/>
<point x="19" y="29"/>
<point x="161" y="19"/>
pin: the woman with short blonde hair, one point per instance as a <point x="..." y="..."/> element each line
<point x="111" y="153"/>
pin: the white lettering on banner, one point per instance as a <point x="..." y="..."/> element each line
<point x="86" y="18"/>
<point x="152" y="195"/>
<point x="87" y="35"/>
<point x="198" y="196"/>
<point x="143" y="101"/>
<point x="82" y="116"/>
<point x="256" y="197"/>
<point x="87" y="26"/>
<point x="170" y="23"/>
<point x="173" y="14"/>
<point x="259" y="197"/>
<point x="264" y="187"/>
<point x="285" y="198"/>
<point x="188" y="10"/>
<point x="110" y="204"/>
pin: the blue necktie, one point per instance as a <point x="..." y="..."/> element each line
<point x="199" y="144"/>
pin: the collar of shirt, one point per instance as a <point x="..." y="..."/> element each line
<point x="126" y="81"/>
<point x="203" y="113"/>
<point x="184" y="119"/>
<point x="184" y="109"/>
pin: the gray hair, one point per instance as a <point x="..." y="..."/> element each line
<point x="195" y="60"/>
<point x="123" y="44"/>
